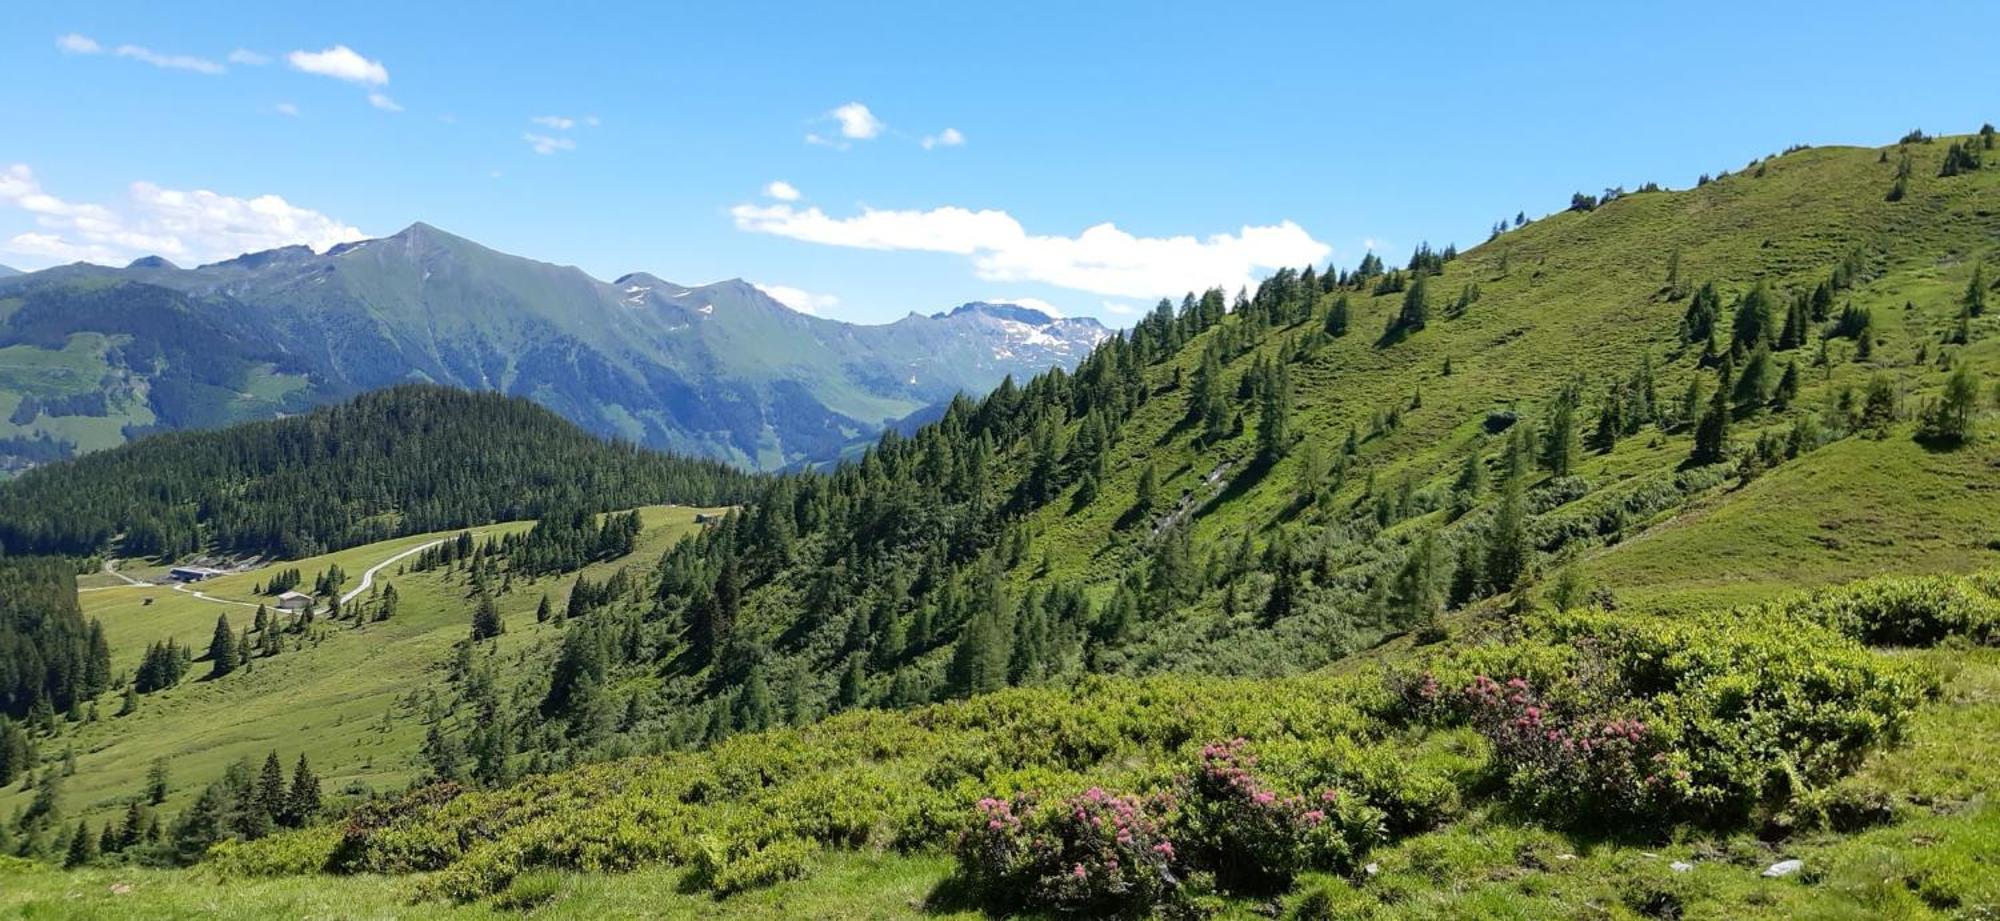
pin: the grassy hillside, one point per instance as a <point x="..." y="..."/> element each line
<point x="352" y="696"/>
<point x="1480" y="660"/>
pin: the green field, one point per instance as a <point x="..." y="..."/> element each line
<point x="352" y="700"/>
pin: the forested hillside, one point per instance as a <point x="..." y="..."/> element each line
<point x="399" y="461"/>
<point x="1545" y="575"/>
<point x="1773" y="374"/>
<point x="93" y="356"/>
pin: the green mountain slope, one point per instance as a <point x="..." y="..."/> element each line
<point x="1415" y="534"/>
<point x="91" y="356"/>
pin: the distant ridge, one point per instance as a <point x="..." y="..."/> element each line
<point x="720" y="370"/>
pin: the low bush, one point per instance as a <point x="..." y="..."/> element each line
<point x="1254" y="838"/>
<point x="1905" y="611"/>
<point x="1093" y="854"/>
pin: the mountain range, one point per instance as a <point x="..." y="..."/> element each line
<point x="93" y="356"/>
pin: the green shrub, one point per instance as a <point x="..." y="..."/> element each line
<point x="1905" y="611"/>
<point x="307" y="850"/>
<point x="734" y="867"/>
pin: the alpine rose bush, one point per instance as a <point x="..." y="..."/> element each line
<point x="1571" y="767"/>
<point x="1252" y="838"/>
<point x="1093" y="854"/>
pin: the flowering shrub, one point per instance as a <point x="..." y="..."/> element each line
<point x="1094" y="853"/>
<point x="1252" y="838"/>
<point x="1573" y="767"/>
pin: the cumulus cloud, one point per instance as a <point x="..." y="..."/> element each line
<point x="1120" y="308"/>
<point x="341" y="63"/>
<point x="799" y="299"/>
<point x="187" y="227"/>
<point x="856" y="121"/>
<point x="383" y="102"/>
<point x="782" y="190"/>
<point x="78" y="44"/>
<point x="1102" y="259"/>
<point x="546" y="144"/>
<point x="949" y="137"/>
<point x="557" y="122"/>
<point x="248" y="58"/>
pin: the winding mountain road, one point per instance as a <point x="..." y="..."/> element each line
<point x="368" y="577"/>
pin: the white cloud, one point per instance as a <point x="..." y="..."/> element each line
<point x="383" y="102"/>
<point x="799" y="299"/>
<point x="78" y="44"/>
<point x="1120" y="308"/>
<point x="591" y="120"/>
<point x="286" y="108"/>
<point x="248" y="58"/>
<point x="856" y="121"/>
<point x="782" y="190"/>
<point x="169" y="61"/>
<point x="558" y="122"/>
<point x="544" y="144"/>
<point x="341" y="63"/>
<point x="816" y="139"/>
<point x="187" y="227"/>
<point x="1102" y="259"/>
<point x="949" y="137"/>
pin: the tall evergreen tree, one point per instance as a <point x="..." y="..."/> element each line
<point x="222" y="648"/>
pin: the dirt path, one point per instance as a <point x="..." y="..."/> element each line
<point x="368" y="578"/>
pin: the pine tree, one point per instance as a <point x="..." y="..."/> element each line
<point x="1711" y="434"/>
<point x="543" y="610"/>
<point x="1561" y="443"/>
<point x="222" y="648"/>
<point x="1274" y="419"/>
<point x="1415" y="596"/>
<point x="302" y="803"/>
<point x="82" y="847"/>
<point x="1507" y="547"/>
<point x="852" y="681"/>
<point x="1146" y="498"/>
<point x="270" y="794"/>
<point x="156" y="782"/>
<point x="1974" y="301"/>
<point x="1337" y="318"/>
<point x="486" y="622"/>
<point x="1948" y="420"/>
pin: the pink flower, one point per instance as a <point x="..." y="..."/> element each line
<point x="1079" y="872"/>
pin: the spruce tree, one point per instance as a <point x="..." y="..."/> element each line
<point x="1974" y="301"/>
<point x="222" y="648"/>
<point x="486" y="622"/>
<point x="1560" y="443"/>
<point x="1711" y="434"/>
<point x="271" y="788"/>
<point x="82" y="847"/>
<point x="302" y="803"/>
<point x="1507" y="547"/>
<point x="156" y="782"/>
<point x="1274" y="418"/>
<point x="1337" y="318"/>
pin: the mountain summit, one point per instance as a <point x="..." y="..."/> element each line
<point x="721" y="370"/>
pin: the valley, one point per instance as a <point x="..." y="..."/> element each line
<point x="1601" y="569"/>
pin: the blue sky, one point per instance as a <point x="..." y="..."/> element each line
<point x="1214" y="140"/>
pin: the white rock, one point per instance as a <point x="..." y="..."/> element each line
<point x="1680" y="866"/>
<point x="1372" y="869"/>
<point x="1784" y="868"/>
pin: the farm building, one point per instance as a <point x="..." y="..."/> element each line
<point x="192" y="573"/>
<point x="294" y="601"/>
